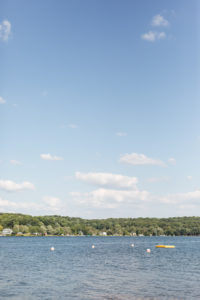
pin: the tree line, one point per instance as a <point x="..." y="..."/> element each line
<point x="59" y="225"/>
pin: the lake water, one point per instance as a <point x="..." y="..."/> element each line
<point x="112" y="270"/>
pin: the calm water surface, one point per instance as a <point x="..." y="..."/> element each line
<point x="112" y="270"/>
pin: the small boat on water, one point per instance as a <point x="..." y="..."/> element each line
<point x="165" y="246"/>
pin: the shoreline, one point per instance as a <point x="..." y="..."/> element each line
<point x="101" y="236"/>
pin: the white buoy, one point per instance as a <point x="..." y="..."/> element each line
<point x="93" y="246"/>
<point x="148" y="250"/>
<point x="132" y="245"/>
<point x="52" y="248"/>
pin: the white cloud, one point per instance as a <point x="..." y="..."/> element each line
<point x="51" y="201"/>
<point x="189" y="177"/>
<point x="6" y="203"/>
<point x="2" y="100"/>
<point x="11" y="186"/>
<point x="49" y="205"/>
<point x="149" y="36"/>
<point x="5" y="30"/>
<point x="11" y="206"/>
<point x="188" y="206"/>
<point x="152" y="36"/>
<point x="159" y="20"/>
<point x="172" y="161"/>
<point x="15" y="162"/>
<point x="73" y="126"/>
<point x="161" y="35"/>
<point x="140" y="159"/>
<point x="182" y="198"/>
<point x="121" y="133"/>
<point x="50" y="157"/>
<point x="107" y="198"/>
<point x="121" y="194"/>
<point x="116" y="190"/>
<point x="108" y="180"/>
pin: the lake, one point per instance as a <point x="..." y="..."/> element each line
<point x="111" y="270"/>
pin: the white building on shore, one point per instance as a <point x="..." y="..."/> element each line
<point x="7" y="231"/>
<point x="103" y="233"/>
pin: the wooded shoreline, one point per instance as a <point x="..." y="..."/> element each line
<point x="28" y="225"/>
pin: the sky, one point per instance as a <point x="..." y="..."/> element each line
<point x="99" y="108"/>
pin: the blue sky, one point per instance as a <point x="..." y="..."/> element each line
<point x="99" y="108"/>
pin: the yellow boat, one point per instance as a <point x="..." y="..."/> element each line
<point x="165" y="246"/>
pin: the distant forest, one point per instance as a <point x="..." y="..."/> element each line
<point x="59" y="225"/>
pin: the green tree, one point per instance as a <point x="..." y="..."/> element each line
<point x="16" y="228"/>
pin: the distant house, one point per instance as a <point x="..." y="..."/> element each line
<point x="7" y="231"/>
<point x="103" y="233"/>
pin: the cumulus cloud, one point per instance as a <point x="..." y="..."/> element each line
<point x="159" y="20"/>
<point x="115" y="190"/>
<point x="152" y="36"/>
<point x="50" y="157"/>
<point x="108" y="198"/>
<point x="6" y="203"/>
<point x="108" y="180"/>
<point x="5" y="30"/>
<point x="51" y="201"/>
<point x="187" y="207"/>
<point x="121" y="192"/>
<point x="49" y="205"/>
<point x="15" y="162"/>
<point x="172" y="161"/>
<point x="11" y="186"/>
<point x="182" y="198"/>
<point x="140" y="159"/>
<point x="19" y="207"/>
<point x="2" y="100"/>
<point x="121" y="133"/>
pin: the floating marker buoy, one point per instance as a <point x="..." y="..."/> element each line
<point x="148" y="250"/>
<point x="93" y="246"/>
<point x="52" y="248"/>
<point x="132" y="245"/>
